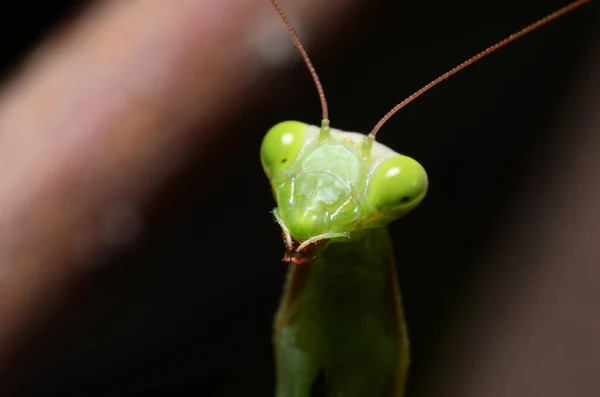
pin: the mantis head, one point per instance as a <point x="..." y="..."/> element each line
<point x="329" y="184"/>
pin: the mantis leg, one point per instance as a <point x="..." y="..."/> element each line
<point x="296" y="340"/>
<point x="297" y="363"/>
<point x="368" y="365"/>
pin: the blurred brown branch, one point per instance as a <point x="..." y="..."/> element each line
<point x="95" y="121"/>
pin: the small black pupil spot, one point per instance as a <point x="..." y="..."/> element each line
<point x="283" y="160"/>
<point x="405" y="199"/>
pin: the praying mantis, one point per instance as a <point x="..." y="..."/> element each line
<point x="341" y="315"/>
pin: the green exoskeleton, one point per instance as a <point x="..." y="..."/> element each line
<point x="336" y="191"/>
<point x="341" y="315"/>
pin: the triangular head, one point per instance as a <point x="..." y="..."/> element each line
<point x="329" y="183"/>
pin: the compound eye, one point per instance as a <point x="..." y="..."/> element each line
<point x="281" y="145"/>
<point x="398" y="184"/>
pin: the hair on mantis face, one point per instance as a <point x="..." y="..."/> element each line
<point x="329" y="183"/>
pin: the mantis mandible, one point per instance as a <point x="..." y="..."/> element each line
<point x="341" y="314"/>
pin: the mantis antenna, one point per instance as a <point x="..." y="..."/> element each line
<point x="325" y="123"/>
<point x="307" y="61"/>
<point x="456" y="69"/>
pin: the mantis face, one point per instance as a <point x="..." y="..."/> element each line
<point x="328" y="184"/>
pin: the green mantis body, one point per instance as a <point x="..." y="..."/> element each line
<point x="341" y="314"/>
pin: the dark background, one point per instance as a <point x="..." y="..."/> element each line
<point x="189" y="307"/>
